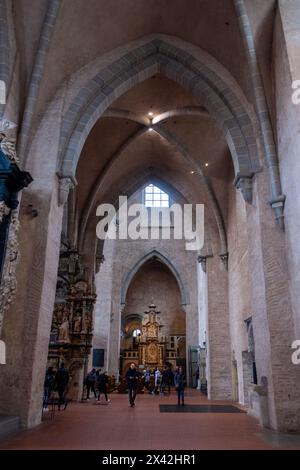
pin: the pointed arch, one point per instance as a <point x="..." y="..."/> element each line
<point x="163" y="258"/>
<point x="198" y="72"/>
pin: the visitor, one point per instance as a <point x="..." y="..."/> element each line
<point x="166" y="380"/>
<point x="180" y="381"/>
<point x="48" y="386"/>
<point x="102" y="386"/>
<point x="147" y="378"/>
<point x="61" y="383"/>
<point x="157" y="381"/>
<point x="90" y="383"/>
<point x="132" y="377"/>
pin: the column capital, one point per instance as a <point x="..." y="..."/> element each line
<point x="224" y="258"/>
<point x="277" y="204"/>
<point x="244" y="182"/>
<point x="202" y="260"/>
<point x="65" y="183"/>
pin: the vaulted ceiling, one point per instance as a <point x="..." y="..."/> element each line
<point x="122" y="149"/>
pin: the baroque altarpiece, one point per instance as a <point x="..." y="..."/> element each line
<point x="151" y="343"/>
<point x="152" y="348"/>
<point x="72" y="322"/>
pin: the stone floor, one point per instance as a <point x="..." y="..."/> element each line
<point x="117" y="426"/>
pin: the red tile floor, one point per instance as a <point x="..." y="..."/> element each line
<point x="117" y="426"/>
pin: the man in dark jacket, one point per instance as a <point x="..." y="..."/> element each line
<point x="48" y="386"/>
<point x="61" y="381"/>
<point x="102" y="386"/>
<point x="132" y="377"/>
<point x="167" y="379"/>
<point x="180" y="381"/>
<point x="90" y="383"/>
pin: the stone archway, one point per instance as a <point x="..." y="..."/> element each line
<point x="163" y="258"/>
<point x="154" y="284"/>
<point x="188" y="65"/>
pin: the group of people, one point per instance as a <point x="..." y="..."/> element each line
<point x="97" y="382"/>
<point x="57" y="381"/>
<point x="162" y="382"/>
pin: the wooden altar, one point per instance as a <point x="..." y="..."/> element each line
<point x="151" y="343"/>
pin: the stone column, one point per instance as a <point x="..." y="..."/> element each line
<point x="219" y="375"/>
<point x="272" y="312"/>
<point x="286" y="81"/>
<point x="27" y="323"/>
<point x="114" y="339"/>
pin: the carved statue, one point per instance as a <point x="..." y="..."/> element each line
<point x="152" y="353"/>
<point x="87" y="323"/>
<point x="77" y="322"/>
<point x="73" y="262"/>
<point x="64" y="331"/>
<point x="79" y="288"/>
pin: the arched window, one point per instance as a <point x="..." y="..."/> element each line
<point x="136" y="333"/>
<point x="155" y="197"/>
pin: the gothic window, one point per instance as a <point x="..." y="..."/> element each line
<point x="155" y="197"/>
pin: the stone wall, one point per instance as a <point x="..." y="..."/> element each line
<point x="155" y="283"/>
<point x="238" y="286"/>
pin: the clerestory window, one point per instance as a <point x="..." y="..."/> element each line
<point x="155" y="197"/>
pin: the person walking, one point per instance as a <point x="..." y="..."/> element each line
<point x="90" y="383"/>
<point x="166" y="380"/>
<point x="157" y="382"/>
<point x="147" y="378"/>
<point x="180" y="381"/>
<point x="132" y="376"/>
<point x="102" y="386"/>
<point x="61" y="381"/>
<point x="48" y="386"/>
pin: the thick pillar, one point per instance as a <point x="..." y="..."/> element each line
<point x="287" y="93"/>
<point x="26" y="325"/>
<point x="102" y="315"/>
<point x="219" y="374"/>
<point x="272" y="314"/>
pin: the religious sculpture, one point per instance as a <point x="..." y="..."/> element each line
<point x="63" y="335"/>
<point x="71" y="339"/>
<point x="79" y="288"/>
<point x="87" y="323"/>
<point x="57" y="317"/>
<point x="77" y="322"/>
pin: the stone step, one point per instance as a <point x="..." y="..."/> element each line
<point x="8" y="424"/>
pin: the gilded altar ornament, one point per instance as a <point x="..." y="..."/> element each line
<point x="9" y="282"/>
